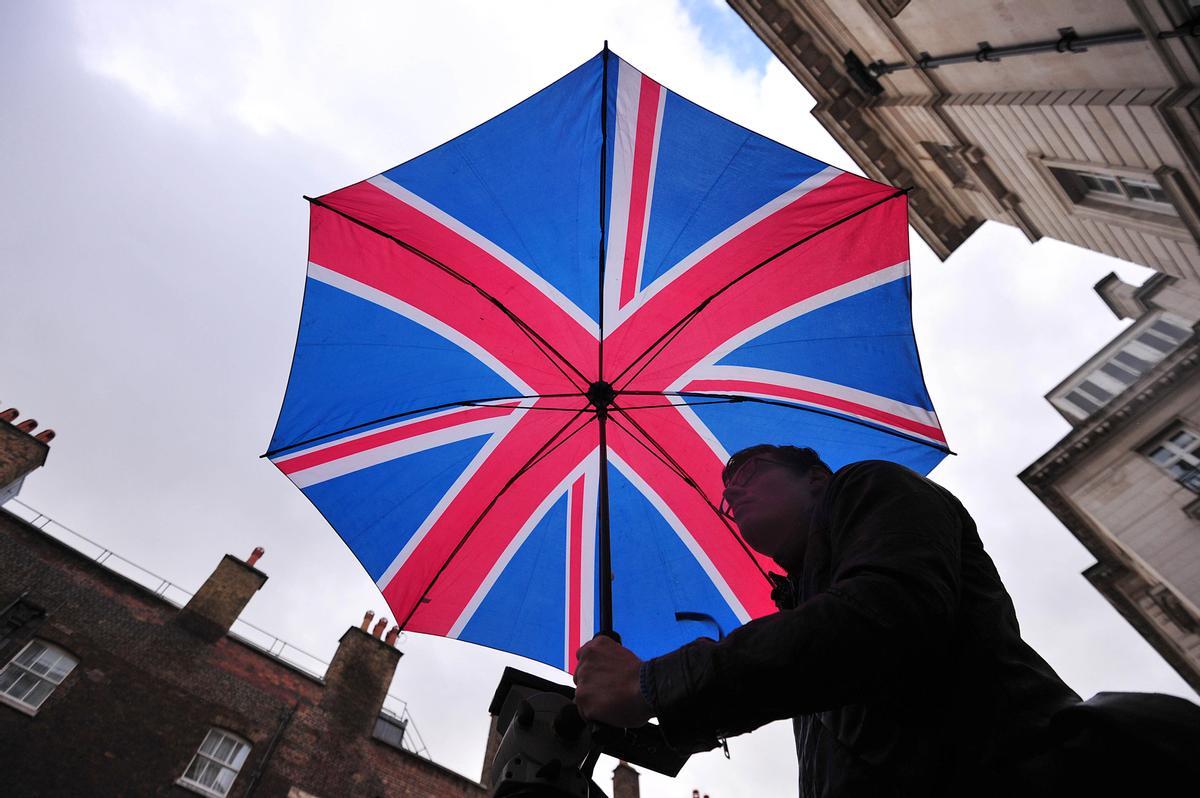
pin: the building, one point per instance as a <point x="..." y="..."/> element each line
<point x="1126" y="479"/>
<point x="108" y="688"/>
<point x="1080" y="122"/>
<point x="1075" y="121"/>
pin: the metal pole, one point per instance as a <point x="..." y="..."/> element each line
<point x="600" y="393"/>
<point x="1068" y="42"/>
<point x="602" y="543"/>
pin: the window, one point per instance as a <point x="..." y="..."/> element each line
<point x="1124" y="189"/>
<point x="1118" y="194"/>
<point x="34" y="673"/>
<point x="1178" y="453"/>
<point x="216" y="764"/>
<point x="1152" y="343"/>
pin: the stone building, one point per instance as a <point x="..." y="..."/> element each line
<point x="107" y="688"/>
<point x="1076" y="121"/>
<point x="1126" y="479"/>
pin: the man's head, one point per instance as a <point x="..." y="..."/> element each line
<point x="771" y="492"/>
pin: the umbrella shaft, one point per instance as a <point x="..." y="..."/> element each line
<point x="602" y="542"/>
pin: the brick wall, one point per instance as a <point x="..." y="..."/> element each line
<point x="20" y="453"/>
<point x="131" y="715"/>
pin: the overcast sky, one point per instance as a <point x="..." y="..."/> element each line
<point x="153" y="244"/>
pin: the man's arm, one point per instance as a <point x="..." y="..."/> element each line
<point x="889" y="608"/>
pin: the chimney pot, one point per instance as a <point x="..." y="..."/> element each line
<point x="10" y="414"/>
<point x="380" y="625"/>
<point x="46" y="435"/>
<point x="255" y="555"/>
<point x="28" y="425"/>
<point x="392" y="634"/>
<point x="366" y="624"/>
<point x="357" y="681"/>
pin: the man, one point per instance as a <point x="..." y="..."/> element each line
<point x="896" y="649"/>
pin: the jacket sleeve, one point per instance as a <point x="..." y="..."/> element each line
<point x="889" y="608"/>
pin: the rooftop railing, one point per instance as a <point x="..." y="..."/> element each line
<point x="270" y="644"/>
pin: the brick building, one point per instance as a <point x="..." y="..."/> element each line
<point x="109" y="689"/>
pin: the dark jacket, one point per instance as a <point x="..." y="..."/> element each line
<point x="900" y="659"/>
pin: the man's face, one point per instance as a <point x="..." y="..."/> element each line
<point x="772" y="503"/>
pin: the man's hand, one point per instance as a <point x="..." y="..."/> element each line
<point x="607" y="685"/>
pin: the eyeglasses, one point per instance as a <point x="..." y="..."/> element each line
<point x="743" y="476"/>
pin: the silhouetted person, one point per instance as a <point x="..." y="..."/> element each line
<point x="896" y="650"/>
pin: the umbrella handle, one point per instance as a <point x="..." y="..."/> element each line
<point x="611" y="634"/>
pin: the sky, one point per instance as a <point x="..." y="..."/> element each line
<point x="153" y="245"/>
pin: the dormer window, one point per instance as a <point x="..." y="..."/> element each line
<point x="1140" y="352"/>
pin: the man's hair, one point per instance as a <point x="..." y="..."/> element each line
<point x="800" y="458"/>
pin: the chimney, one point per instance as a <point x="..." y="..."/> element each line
<point x="358" y="678"/>
<point x="222" y="597"/>
<point x="20" y="451"/>
<point x="495" y="735"/>
<point x="625" y="781"/>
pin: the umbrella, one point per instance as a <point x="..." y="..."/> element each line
<point x="524" y="356"/>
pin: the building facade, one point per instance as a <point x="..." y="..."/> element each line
<point x="109" y="689"/>
<point x="1075" y="121"/>
<point x="1126" y="479"/>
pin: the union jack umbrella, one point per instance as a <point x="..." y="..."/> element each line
<point x="524" y="357"/>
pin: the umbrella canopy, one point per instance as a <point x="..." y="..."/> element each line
<point x="524" y="357"/>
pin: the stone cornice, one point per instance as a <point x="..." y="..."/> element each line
<point x="793" y="33"/>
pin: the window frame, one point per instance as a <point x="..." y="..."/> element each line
<point x="240" y="755"/>
<point x="1188" y="455"/>
<point x="41" y="678"/>
<point x="1173" y="218"/>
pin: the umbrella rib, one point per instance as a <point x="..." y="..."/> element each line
<point x="687" y="317"/>
<point x="715" y="401"/>
<point x="665" y="457"/>
<point x="532" y="334"/>
<point x="734" y="398"/>
<point x="665" y="341"/>
<point x="445" y="406"/>
<point x="542" y="453"/>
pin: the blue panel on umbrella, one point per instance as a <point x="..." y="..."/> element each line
<point x="524" y="611"/>
<point x="357" y="362"/>
<point x="377" y="509"/>
<point x="864" y="341"/>
<point x="838" y="442"/>
<point x="656" y="576"/>
<point x="528" y="181"/>
<point x="711" y="173"/>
